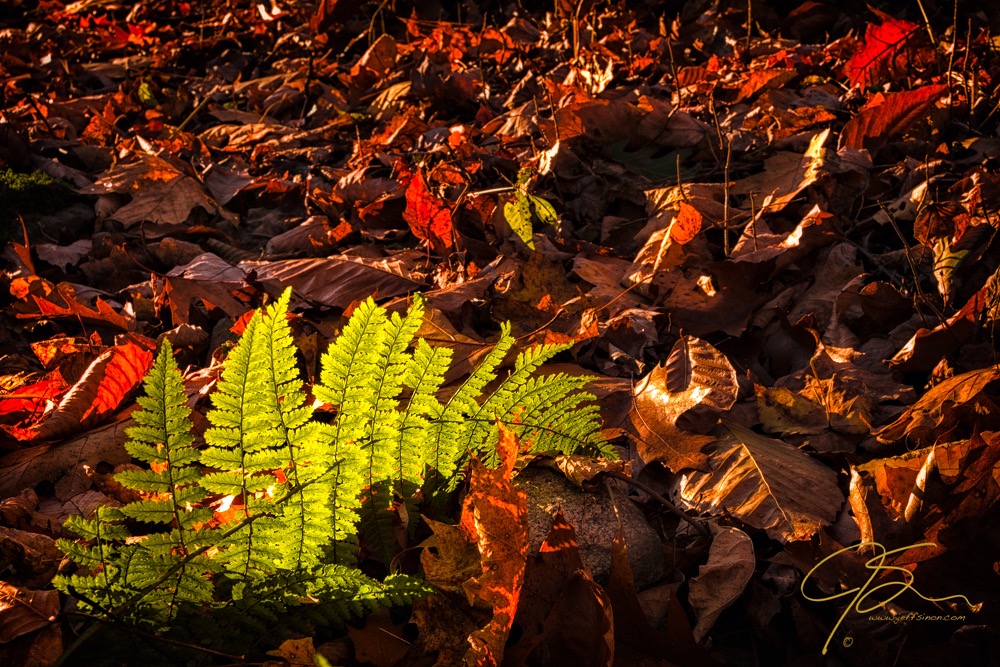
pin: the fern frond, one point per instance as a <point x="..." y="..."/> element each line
<point x="346" y="382"/>
<point x="243" y="452"/>
<point x="303" y="490"/>
<point x="302" y="530"/>
<point x="378" y="444"/>
<point x="450" y="425"/>
<point x="161" y="438"/>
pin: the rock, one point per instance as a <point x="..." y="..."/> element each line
<point x="593" y="516"/>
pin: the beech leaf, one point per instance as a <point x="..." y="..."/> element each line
<point x="721" y="580"/>
<point x="876" y="125"/>
<point x="767" y="484"/>
<point x="679" y="398"/>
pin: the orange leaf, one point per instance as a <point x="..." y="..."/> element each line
<point x="105" y="385"/>
<point x="686" y="224"/>
<point x="429" y="217"/>
<point x="497" y="515"/>
<point x="32" y="399"/>
<point x="40" y="299"/>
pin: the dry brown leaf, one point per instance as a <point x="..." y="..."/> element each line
<point x="784" y="411"/>
<point x="549" y="577"/>
<point x="23" y="611"/>
<point x="580" y="469"/>
<point x="721" y="581"/>
<point x="767" y="484"/>
<point x="160" y="192"/>
<point x="684" y="395"/>
<point x="208" y="278"/>
<point x="936" y="411"/>
<point x="719" y="296"/>
<point x="294" y="652"/>
<point x="26" y="467"/>
<point x="337" y="281"/>
<point x="379" y="641"/>
<point x="785" y="175"/>
<point x="635" y="638"/>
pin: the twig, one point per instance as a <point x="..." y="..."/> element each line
<point x="927" y="21"/>
<point x="180" y="128"/>
<point x="673" y="509"/>
<point x="913" y="266"/>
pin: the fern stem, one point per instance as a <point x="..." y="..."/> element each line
<point x="140" y="633"/>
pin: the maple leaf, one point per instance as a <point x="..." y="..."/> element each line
<point x="875" y="57"/>
<point x="428" y="216"/>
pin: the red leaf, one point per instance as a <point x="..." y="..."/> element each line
<point x="686" y="225"/>
<point x="31" y="400"/>
<point x="429" y="217"/>
<point x="875" y="125"/>
<point x="875" y="58"/>
<point x="105" y="385"/>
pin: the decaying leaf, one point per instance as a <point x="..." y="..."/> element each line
<point x="876" y="124"/>
<point x="940" y="408"/>
<point x="105" y="385"/>
<point x="40" y="299"/>
<point x="337" y="281"/>
<point x="494" y="522"/>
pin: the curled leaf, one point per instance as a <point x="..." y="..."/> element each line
<point x="679" y="398"/>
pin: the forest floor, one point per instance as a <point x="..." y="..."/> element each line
<point x="771" y="239"/>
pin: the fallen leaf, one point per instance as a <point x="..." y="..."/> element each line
<point x="685" y="394"/>
<point x="23" y="611"/>
<point x="722" y="580"/>
<point x="875" y="125"/>
<point x="784" y="411"/>
<point x="337" y="281"/>
<point x="295" y="652"/>
<point x="686" y="225"/>
<point x="635" y="639"/>
<point x="26" y="467"/>
<point x="429" y="216"/>
<point x="40" y="299"/>
<point x="379" y="641"/>
<point x="767" y="484"/>
<point x="937" y="410"/>
<point x="554" y="612"/>
<point x="497" y="514"/>
<point x="877" y="55"/>
<point x="105" y="385"/>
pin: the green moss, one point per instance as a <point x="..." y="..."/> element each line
<point x="29" y="196"/>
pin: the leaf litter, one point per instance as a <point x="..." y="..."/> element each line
<point x="773" y="237"/>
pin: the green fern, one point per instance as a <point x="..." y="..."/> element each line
<point x="300" y="491"/>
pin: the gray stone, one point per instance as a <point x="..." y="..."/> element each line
<point x="592" y="514"/>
